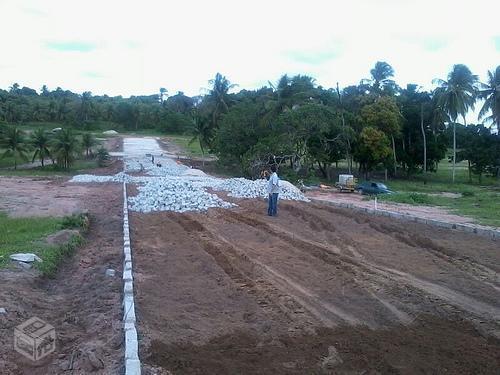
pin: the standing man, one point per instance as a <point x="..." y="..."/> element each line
<point x="273" y="189"/>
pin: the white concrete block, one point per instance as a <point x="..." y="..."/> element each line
<point x="128" y="288"/>
<point x="127" y="275"/>
<point x="132" y="367"/>
<point x="128" y="309"/>
<point x="127" y="266"/>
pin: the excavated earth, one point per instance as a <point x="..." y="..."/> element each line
<point x="316" y="290"/>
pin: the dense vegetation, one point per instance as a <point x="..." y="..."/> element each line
<point x="373" y="126"/>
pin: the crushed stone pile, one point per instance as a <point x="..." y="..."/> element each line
<point x="179" y="195"/>
<point x="170" y="186"/>
<point x="244" y="188"/>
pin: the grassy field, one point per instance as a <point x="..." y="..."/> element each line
<point x="480" y="201"/>
<point x="183" y="141"/>
<point x="26" y="235"/>
<point x="78" y="167"/>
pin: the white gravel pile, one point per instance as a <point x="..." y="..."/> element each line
<point x="171" y="194"/>
<point x="176" y="187"/>
<point x="119" y="177"/>
<point x="243" y="188"/>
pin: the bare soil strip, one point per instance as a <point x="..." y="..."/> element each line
<point x="82" y="304"/>
<point x="316" y="290"/>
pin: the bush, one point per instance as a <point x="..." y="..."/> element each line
<point x="102" y="157"/>
<point x="75" y="221"/>
<point x="408" y="198"/>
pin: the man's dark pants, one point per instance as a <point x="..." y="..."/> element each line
<point x="272" y="210"/>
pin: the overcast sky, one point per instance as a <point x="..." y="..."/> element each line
<point x="124" y="48"/>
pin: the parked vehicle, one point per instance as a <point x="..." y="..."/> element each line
<point x="373" y="188"/>
<point x="347" y="183"/>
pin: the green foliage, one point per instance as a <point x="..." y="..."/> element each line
<point x="292" y="122"/>
<point x="55" y="255"/>
<point x="24" y="234"/>
<point x="40" y="141"/>
<point x="13" y="142"/>
<point x="28" y="234"/>
<point x="88" y="141"/>
<point x="490" y="93"/>
<point x="102" y="157"/>
<point x="75" y="221"/>
<point x="65" y="146"/>
<point x="409" y="198"/>
<point x="373" y="149"/>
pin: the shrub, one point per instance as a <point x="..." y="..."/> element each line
<point x="102" y="157"/>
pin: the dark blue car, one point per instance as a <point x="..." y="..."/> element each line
<point x="373" y="188"/>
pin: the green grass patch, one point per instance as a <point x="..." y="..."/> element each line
<point x="183" y="141"/>
<point x="78" y="167"/>
<point x="26" y="235"/>
<point x="409" y="198"/>
<point x="53" y="256"/>
<point x="480" y="203"/>
<point x="22" y="235"/>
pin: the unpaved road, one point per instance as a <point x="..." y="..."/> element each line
<point x="357" y="200"/>
<point x="315" y="290"/>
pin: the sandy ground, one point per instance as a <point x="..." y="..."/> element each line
<point x="315" y="290"/>
<point x="81" y="303"/>
<point x="426" y="212"/>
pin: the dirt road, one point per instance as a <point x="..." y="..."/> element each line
<point x="316" y="290"/>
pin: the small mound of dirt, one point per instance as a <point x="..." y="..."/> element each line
<point x="61" y="237"/>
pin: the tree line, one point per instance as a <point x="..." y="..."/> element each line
<point x="300" y="125"/>
<point x="376" y="124"/>
<point x="61" y="147"/>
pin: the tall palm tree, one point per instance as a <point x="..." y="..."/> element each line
<point x="41" y="143"/>
<point x="456" y="96"/>
<point x="381" y="74"/>
<point x="12" y="140"/>
<point x="88" y="141"/>
<point x="202" y="133"/>
<point x="86" y="105"/>
<point x="219" y="91"/>
<point x="490" y="92"/>
<point x="64" y="148"/>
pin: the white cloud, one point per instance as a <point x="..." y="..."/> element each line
<point x="141" y="46"/>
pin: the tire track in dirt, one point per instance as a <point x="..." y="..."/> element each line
<point x="476" y="270"/>
<point x="455" y="298"/>
<point x="248" y="275"/>
<point x="310" y="300"/>
<point x="220" y="248"/>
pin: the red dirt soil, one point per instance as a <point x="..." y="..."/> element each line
<point x="315" y="290"/>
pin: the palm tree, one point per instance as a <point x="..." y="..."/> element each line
<point x="86" y="105"/>
<point x="455" y="97"/>
<point x="490" y="92"/>
<point x="381" y="77"/>
<point x="202" y="135"/>
<point x="64" y="147"/>
<point x="163" y="93"/>
<point x="13" y="141"/>
<point x="41" y="142"/>
<point x="88" y="141"/>
<point x="218" y="96"/>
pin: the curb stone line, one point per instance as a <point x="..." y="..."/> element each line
<point x="132" y="361"/>
<point x="484" y="232"/>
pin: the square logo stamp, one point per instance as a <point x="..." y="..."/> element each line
<point x="34" y="339"/>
